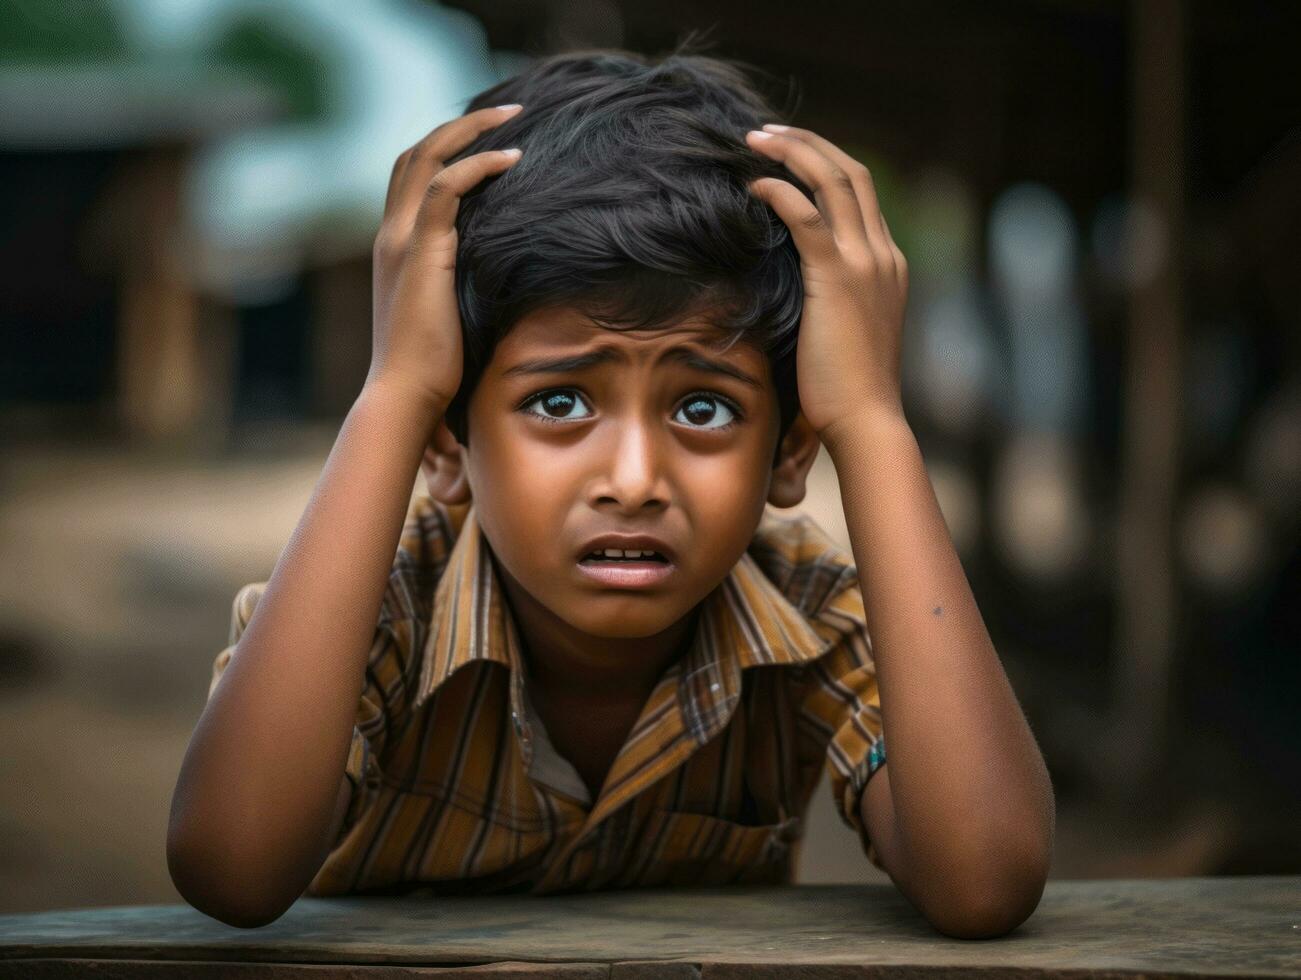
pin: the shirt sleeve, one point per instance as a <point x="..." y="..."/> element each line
<point x="842" y="700"/>
<point x="382" y="708"/>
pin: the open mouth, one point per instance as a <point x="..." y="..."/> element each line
<point x="612" y="568"/>
<point x="615" y="556"/>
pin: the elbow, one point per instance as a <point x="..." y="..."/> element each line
<point x="992" y="905"/>
<point x="986" y="918"/>
<point x="237" y="916"/>
<point x="211" y="884"/>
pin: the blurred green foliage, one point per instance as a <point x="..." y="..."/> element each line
<point x="56" y="32"/>
<point x="44" y="31"/>
<point x="263" y="51"/>
<point x="890" y="197"/>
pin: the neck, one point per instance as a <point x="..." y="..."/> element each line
<point x="567" y="665"/>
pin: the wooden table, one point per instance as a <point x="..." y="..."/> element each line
<point x="1185" y="927"/>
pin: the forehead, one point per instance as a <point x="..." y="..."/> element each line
<point x="561" y="329"/>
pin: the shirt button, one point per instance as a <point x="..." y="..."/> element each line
<point x="514" y="716"/>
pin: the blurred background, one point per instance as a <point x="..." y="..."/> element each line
<point x="1101" y="207"/>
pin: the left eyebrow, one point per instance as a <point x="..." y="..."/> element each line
<point x="604" y="355"/>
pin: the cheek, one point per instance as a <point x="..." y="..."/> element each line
<point x="522" y="479"/>
<point x="526" y="493"/>
<point x="727" y="494"/>
<point x="720" y="480"/>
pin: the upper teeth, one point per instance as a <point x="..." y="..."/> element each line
<point x="616" y="553"/>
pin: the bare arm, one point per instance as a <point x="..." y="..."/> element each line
<point x="259" y="802"/>
<point x="256" y="804"/>
<point x="963" y="814"/>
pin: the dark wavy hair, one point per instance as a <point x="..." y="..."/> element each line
<point x="629" y="205"/>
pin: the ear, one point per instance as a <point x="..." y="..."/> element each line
<point x="799" y="448"/>
<point x="444" y="467"/>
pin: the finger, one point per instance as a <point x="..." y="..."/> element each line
<point x="864" y="184"/>
<point x="426" y="157"/>
<point x="831" y="185"/>
<point x="900" y="260"/>
<point x="808" y="227"/>
<point x="395" y="180"/>
<point x="436" y="217"/>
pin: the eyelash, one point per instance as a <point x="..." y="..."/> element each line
<point x="738" y="415"/>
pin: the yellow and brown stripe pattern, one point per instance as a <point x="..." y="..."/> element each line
<point x="458" y="790"/>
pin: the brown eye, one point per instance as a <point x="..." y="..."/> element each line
<point x="556" y="405"/>
<point x="703" y="411"/>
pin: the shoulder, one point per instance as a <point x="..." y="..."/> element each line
<point x="429" y="534"/>
<point x="809" y="567"/>
<point x="431" y="529"/>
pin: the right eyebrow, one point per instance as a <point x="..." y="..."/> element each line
<point x="562" y="365"/>
<point x="605" y="355"/>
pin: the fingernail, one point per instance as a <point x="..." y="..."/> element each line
<point x="775" y="127"/>
<point x="514" y="151"/>
<point x="510" y="105"/>
<point x="759" y="135"/>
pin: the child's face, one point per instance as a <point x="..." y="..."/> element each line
<point x="643" y="443"/>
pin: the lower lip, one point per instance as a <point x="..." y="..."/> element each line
<point x="627" y="574"/>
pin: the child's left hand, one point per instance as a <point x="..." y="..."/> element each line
<point x="855" y="280"/>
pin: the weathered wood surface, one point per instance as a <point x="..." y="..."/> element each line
<point x="1186" y="927"/>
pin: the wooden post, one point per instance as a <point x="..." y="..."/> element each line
<point x="163" y="375"/>
<point x="1146" y="595"/>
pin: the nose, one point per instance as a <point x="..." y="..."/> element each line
<point x="636" y="474"/>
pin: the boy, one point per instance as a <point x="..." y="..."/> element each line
<point x="590" y="349"/>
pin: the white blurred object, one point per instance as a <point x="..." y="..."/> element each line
<point x="1033" y="252"/>
<point x="948" y="356"/>
<point x="1041" y="521"/>
<point x="1038" y="515"/>
<point x="1222" y="540"/>
<point x="951" y="369"/>
<point x="258" y="201"/>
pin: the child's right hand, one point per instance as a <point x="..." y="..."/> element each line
<point x="417" y="345"/>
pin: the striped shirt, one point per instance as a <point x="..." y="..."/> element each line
<point x="458" y="790"/>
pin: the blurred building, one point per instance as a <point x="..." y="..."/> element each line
<point x="1100" y="203"/>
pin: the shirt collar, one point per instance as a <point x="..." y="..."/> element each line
<point x="746" y="621"/>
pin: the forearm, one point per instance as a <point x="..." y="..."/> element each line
<point x="259" y="781"/>
<point x="972" y="796"/>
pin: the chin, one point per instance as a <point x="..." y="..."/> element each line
<point x="626" y="617"/>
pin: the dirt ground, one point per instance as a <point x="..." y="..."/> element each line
<point x="119" y="569"/>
